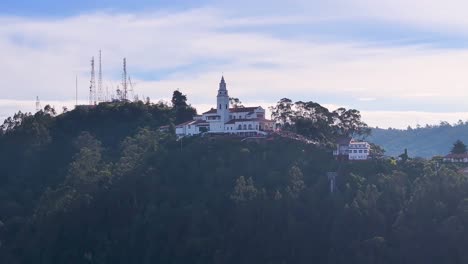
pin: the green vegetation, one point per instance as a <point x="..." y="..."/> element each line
<point x="316" y="122"/>
<point x="426" y="142"/>
<point x="104" y="185"/>
<point x="458" y="147"/>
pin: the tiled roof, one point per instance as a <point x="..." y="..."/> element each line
<point x="211" y="111"/>
<point x="185" y="123"/>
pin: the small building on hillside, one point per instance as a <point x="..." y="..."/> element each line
<point x="456" y="158"/>
<point x="242" y="121"/>
<point x="349" y="149"/>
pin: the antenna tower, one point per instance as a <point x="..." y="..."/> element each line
<point x="100" y="92"/>
<point x="76" y="91"/>
<point x="124" y="79"/>
<point x="131" y="88"/>
<point x="38" y="104"/>
<point x="92" y="85"/>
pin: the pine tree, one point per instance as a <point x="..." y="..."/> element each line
<point x="458" y="147"/>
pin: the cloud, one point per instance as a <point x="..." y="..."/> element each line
<point x="403" y="119"/>
<point x="190" y="49"/>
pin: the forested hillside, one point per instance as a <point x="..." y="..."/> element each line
<point x="423" y="142"/>
<point x="104" y="185"/>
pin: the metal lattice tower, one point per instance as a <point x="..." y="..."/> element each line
<point x="38" y="104"/>
<point x="92" y="85"/>
<point x="99" y="91"/>
<point x="124" y="80"/>
<point x="76" y="90"/>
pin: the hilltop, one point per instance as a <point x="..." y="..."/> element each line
<point x="104" y="185"/>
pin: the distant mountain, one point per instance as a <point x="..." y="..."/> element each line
<point x="423" y="142"/>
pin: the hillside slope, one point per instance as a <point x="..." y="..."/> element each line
<point x="105" y="186"/>
<point x="421" y="142"/>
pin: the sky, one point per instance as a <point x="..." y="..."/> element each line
<point x="399" y="62"/>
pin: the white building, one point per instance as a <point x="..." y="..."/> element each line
<point x="349" y="149"/>
<point x="243" y="121"/>
<point x="358" y="150"/>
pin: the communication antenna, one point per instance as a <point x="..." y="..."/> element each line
<point x="38" y="104"/>
<point x="132" y="85"/>
<point x="124" y="80"/>
<point x="92" y="85"/>
<point x="76" y="90"/>
<point x="99" y="93"/>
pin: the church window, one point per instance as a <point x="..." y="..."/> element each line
<point x="240" y="127"/>
<point x="219" y="106"/>
<point x="245" y="127"/>
<point x="226" y="106"/>
<point x="250" y="126"/>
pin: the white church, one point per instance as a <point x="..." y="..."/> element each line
<point x="241" y="121"/>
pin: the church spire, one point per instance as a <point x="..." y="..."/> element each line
<point x="222" y="84"/>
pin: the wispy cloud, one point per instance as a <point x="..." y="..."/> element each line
<point x="191" y="49"/>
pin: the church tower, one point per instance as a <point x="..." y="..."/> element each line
<point x="223" y="101"/>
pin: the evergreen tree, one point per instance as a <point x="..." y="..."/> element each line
<point x="458" y="147"/>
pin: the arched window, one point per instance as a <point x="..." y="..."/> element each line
<point x="226" y="106"/>
<point x="219" y="106"/>
<point x="250" y="126"/>
<point x="240" y="127"/>
<point x="245" y="127"/>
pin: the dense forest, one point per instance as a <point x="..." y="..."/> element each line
<point x="425" y="142"/>
<point x="105" y="185"/>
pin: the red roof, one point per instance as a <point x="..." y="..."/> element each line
<point x="211" y="111"/>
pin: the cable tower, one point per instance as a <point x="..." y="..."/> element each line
<point x="124" y="80"/>
<point x="99" y="90"/>
<point x="76" y="90"/>
<point x="132" y="89"/>
<point x="92" y="85"/>
<point x="38" y="104"/>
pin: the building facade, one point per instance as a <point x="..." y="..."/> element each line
<point x="348" y="149"/>
<point x="242" y="121"/>
<point x="456" y="158"/>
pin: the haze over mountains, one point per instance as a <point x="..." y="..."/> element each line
<point x="423" y="142"/>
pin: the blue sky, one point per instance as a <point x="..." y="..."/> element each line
<point x="399" y="62"/>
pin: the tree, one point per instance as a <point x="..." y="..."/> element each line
<point x="312" y="120"/>
<point x="296" y="182"/>
<point x="282" y="113"/>
<point x="244" y="190"/>
<point x="183" y="111"/>
<point x="349" y="123"/>
<point x="458" y="147"/>
<point x="235" y="102"/>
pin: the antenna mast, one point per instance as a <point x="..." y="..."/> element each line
<point x="124" y="79"/>
<point x="76" y="91"/>
<point x="38" y="104"/>
<point x="99" y="95"/>
<point x="92" y="85"/>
